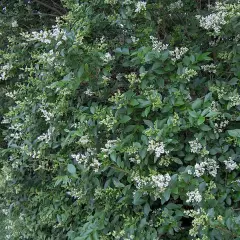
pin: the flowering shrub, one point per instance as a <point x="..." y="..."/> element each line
<point x="127" y="124"/>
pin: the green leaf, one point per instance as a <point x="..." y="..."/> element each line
<point x="80" y="71"/>
<point x="197" y="103"/>
<point x="137" y="200"/>
<point x="212" y="114"/>
<point x="113" y="156"/>
<point x="117" y="183"/>
<point x="134" y="102"/>
<point x="200" y="120"/>
<point x="177" y="160"/>
<point x="148" y="123"/>
<point x="189" y="157"/>
<point x="124" y="119"/>
<point x="234" y="133"/>
<point x="125" y="51"/>
<point x="167" y="194"/>
<point x="71" y="168"/>
<point x="146" y="209"/>
<point x="233" y="81"/>
<point x="193" y="114"/>
<point x="205" y="127"/>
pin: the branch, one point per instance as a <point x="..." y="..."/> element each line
<point x="49" y="7"/>
<point x="59" y="6"/>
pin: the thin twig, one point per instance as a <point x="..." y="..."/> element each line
<point x="59" y="6"/>
<point x="49" y="7"/>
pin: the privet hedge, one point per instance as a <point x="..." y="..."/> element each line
<point x="126" y="125"/>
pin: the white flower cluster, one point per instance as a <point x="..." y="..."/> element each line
<point x="89" y="92"/>
<point x="158" y="46"/>
<point x="234" y="99"/>
<point x="46" y="37"/>
<point x="220" y="126"/>
<point x="109" y="121"/>
<point x="176" y="5"/>
<point x="47" y="136"/>
<point x="211" y="68"/>
<point x="95" y="164"/>
<point x="220" y="90"/>
<point x="102" y="43"/>
<point x="157" y="147"/>
<point x="214" y="21"/>
<point x="84" y="140"/>
<point x="107" y="57"/>
<point x="159" y="181"/>
<point x="78" y="194"/>
<point x="46" y="114"/>
<point x="237" y="38"/>
<point x="214" y="106"/>
<point x="109" y="146"/>
<point x="87" y="159"/>
<point x="35" y="154"/>
<point x="230" y="164"/>
<point x="14" y="24"/>
<point x="195" y="146"/>
<point x="48" y="57"/>
<point x="127" y="2"/>
<point x="209" y="165"/>
<point x="4" y="70"/>
<point x="11" y="94"/>
<point x="17" y="134"/>
<point x="135" y="159"/>
<point x="133" y="78"/>
<point x="134" y="39"/>
<point x="105" y="80"/>
<point x="194" y="196"/>
<point x="188" y="74"/>
<point x="217" y="19"/>
<point x="140" y="6"/>
<point x="177" y="53"/>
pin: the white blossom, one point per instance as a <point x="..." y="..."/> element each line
<point x="159" y="182"/>
<point x="109" y="146"/>
<point x="175" y="5"/>
<point x="46" y="136"/>
<point x="199" y="169"/>
<point x="158" y="46"/>
<point x="95" y="165"/>
<point x="211" y="68"/>
<point x="14" y="24"/>
<point x="194" y="196"/>
<point x="134" y="39"/>
<point x="89" y="92"/>
<point x="140" y="6"/>
<point x="230" y="164"/>
<point x="157" y="147"/>
<point x="46" y="114"/>
<point x="87" y="159"/>
<point x="188" y="74"/>
<point x="4" y="70"/>
<point x="135" y="159"/>
<point x="216" y="20"/>
<point x="209" y="165"/>
<point x="84" y="140"/>
<point x="107" y="57"/>
<point x="213" y="21"/>
<point x="177" y="53"/>
<point x="47" y="36"/>
<point x="195" y="146"/>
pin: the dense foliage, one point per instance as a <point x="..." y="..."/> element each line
<point x="125" y="124"/>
